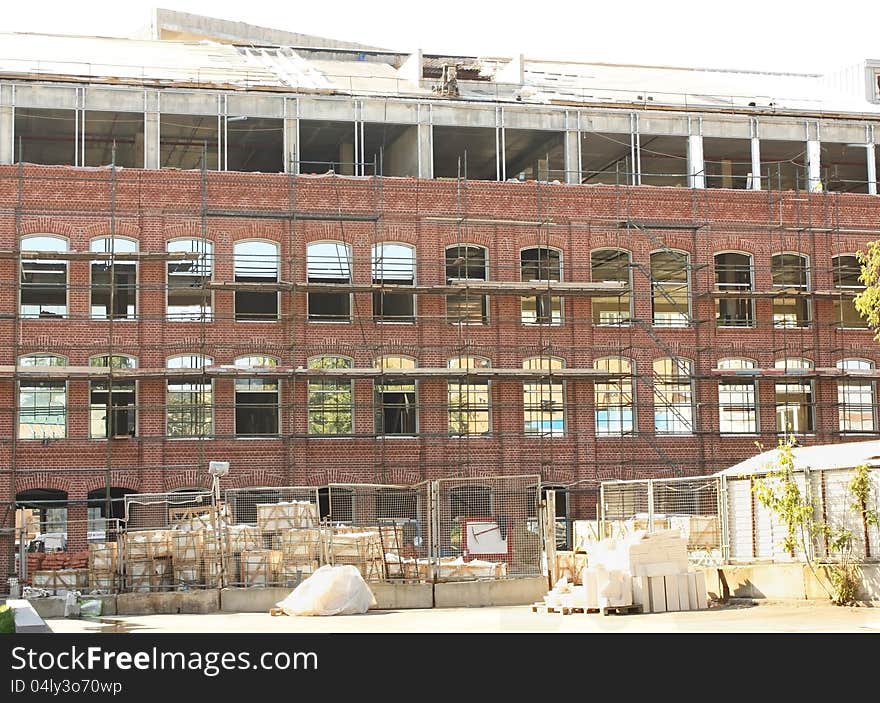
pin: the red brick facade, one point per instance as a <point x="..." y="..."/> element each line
<point x="156" y="206"/>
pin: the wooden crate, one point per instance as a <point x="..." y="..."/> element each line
<point x="148" y="575"/>
<point x="147" y="544"/>
<point x="241" y="538"/>
<point x="301" y="545"/>
<point x="103" y="556"/>
<point x="187" y="547"/>
<point x="260" y="567"/>
<point x="700" y="531"/>
<point x="290" y="572"/>
<point x="103" y="581"/>
<point x="61" y="580"/>
<point x="274" y="517"/>
<point x="188" y="574"/>
<point x="570" y="565"/>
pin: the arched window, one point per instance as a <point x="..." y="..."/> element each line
<point x="541" y="265"/>
<point x="794" y="398"/>
<point x="614" y="397"/>
<point x="670" y="293"/>
<point x="42" y="404"/>
<point x="114" y="282"/>
<point x="673" y="396"/>
<point x="256" y="399"/>
<point x="544" y="398"/>
<point x="190" y="398"/>
<point x="330" y="399"/>
<point x="466" y="263"/>
<point x="256" y="262"/>
<point x="846" y="270"/>
<point x="733" y="280"/>
<point x="611" y="265"/>
<point x="470" y="501"/>
<point x="394" y="264"/>
<point x="737" y="407"/>
<point x="112" y="402"/>
<point x="395" y="399"/>
<point x="790" y="273"/>
<point x="329" y="264"/>
<point x="855" y="397"/>
<point x="468" y="398"/>
<point x="188" y="297"/>
<point x="43" y="281"/>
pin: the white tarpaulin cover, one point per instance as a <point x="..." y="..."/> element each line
<point x="331" y="590"/>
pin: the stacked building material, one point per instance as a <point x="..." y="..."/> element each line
<point x="60" y="581"/>
<point x="570" y="565"/>
<point x="360" y="549"/>
<point x="300" y="553"/>
<point x="103" y="566"/>
<point x="274" y="517"/>
<point x="187" y="552"/>
<point x="148" y="560"/>
<point x="260" y="567"/>
<point x="649" y="569"/>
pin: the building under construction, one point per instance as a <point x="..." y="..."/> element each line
<point x="326" y="263"/>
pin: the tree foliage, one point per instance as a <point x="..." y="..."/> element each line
<point x="867" y="302"/>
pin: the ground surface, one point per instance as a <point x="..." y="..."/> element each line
<point x="777" y="616"/>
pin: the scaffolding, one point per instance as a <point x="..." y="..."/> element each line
<point x="523" y="313"/>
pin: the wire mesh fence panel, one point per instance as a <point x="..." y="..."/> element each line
<point x="624" y="507"/>
<point x="691" y="506"/>
<point x="486" y="528"/>
<point x="381" y="529"/>
<point x="688" y="505"/>
<point x="167" y="541"/>
<point x="273" y="537"/>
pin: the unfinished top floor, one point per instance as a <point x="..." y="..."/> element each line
<point x="87" y="101"/>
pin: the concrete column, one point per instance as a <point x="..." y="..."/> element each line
<point x="696" y="167"/>
<point x="291" y="145"/>
<point x="756" y="164"/>
<point x="572" y="162"/>
<point x="814" y="173"/>
<point x="7" y="137"/>
<point x="426" y="151"/>
<point x="871" y="154"/>
<point x="151" y="130"/>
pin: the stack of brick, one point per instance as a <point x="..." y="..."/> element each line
<point x="34" y="563"/>
<point x="187" y="554"/>
<point x="103" y="566"/>
<point x="148" y="560"/>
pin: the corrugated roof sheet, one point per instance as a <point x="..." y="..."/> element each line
<point x="844" y="455"/>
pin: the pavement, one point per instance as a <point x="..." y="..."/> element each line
<point x="740" y="616"/>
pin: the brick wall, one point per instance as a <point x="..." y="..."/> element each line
<point x="155" y="206"/>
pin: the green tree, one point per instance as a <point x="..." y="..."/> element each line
<point x="867" y="302"/>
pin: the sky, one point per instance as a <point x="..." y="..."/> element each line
<point x="768" y="35"/>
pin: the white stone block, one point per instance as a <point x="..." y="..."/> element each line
<point x="658" y="594"/>
<point x="641" y="593"/>
<point x="692" y="590"/>
<point x="670" y="583"/>
<point x="684" y="598"/>
<point x="590" y="586"/>
<point x="702" y="596"/>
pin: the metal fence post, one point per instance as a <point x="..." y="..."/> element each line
<point x="650" y="505"/>
<point x="723" y="519"/>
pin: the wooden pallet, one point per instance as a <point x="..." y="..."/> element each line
<point x="562" y="609"/>
<point x="276" y="611"/>
<point x="621" y="609"/>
